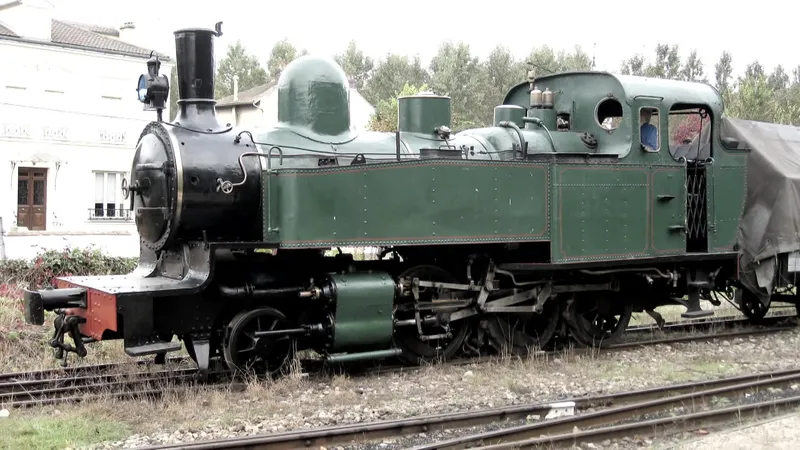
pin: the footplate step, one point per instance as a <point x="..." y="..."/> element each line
<point x="152" y="349"/>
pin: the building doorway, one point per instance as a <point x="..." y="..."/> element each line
<point x="32" y="198"/>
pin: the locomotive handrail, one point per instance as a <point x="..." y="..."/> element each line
<point x="227" y="186"/>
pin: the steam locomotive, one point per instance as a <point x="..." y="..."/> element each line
<point x="554" y="218"/>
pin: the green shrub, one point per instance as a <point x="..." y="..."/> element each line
<point x="45" y="267"/>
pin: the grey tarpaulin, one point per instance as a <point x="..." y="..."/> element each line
<point x="770" y="224"/>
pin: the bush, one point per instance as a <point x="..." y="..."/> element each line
<point x="45" y="267"/>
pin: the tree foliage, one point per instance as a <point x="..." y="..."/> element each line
<point x="391" y="75"/>
<point x="283" y="52"/>
<point x="724" y="72"/>
<point x="477" y="85"/>
<point x="237" y="62"/>
<point x="385" y="116"/>
<point x="456" y="73"/>
<point x="355" y="65"/>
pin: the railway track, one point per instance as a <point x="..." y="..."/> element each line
<point x="92" y="382"/>
<point x="560" y="419"/>
<point x="48" y="391"/>
<point x="638" y="330"/>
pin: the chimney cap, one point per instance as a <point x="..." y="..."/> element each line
<point x="127" y="25"/>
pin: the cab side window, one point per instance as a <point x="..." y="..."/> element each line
<point x="648" y="129"/>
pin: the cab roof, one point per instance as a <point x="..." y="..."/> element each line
<point x="669" y="91"/>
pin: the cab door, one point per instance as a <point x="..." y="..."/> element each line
<point x="667" y="185"/>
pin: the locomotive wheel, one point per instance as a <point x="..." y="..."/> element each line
<point x="595" y="320"/>
<point x="522" y="335"/>
<point x="245" y="352"/>
<point x="751" y="306"/>
<point x="415" y="350"/>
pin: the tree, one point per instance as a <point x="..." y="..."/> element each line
<point x="355" y="65"/>
<point x="667" y="63"/>
<point x="385" y="116"/>
<point x="283" y="52"/>
<point x="693" y="68"/>
<point x="456" y="73"/>
<point x="576" y="60"/>
<point x="724" y="73"/>
<point x="778" y="80"/>
<point x="545" y="61"/>
<point x="391" y="75"/>
<point x="502" y="72"/>
<point x="633" y="65"/>
<point x="753" y="99"/>
<point x="237" y="62"/>
<point x="754" y="70"/>
<point x="688" y="128"/>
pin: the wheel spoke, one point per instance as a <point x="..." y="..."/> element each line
<point x="266" y="355"/>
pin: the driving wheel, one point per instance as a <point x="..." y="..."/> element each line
<point x="247" y="351"/>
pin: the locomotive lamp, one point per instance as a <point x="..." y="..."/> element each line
<point x="153" y="88"/>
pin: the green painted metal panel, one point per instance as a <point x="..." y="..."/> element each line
<point x="727" y="186"/>
<point x="602" y="212"/>
<point x="668" y="206"/>
<point x="424" y="201"/>
<point x="364" y="308"/>
<point x="423" y="113"/>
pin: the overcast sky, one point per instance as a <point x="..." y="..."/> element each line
<point x="611" y="30"/>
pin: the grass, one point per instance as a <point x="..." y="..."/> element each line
<point x="24" y="347"/>
<point x="29" y="431"/>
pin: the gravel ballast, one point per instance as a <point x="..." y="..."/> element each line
<point x="306" y="403"/>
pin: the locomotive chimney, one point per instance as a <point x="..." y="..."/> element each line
<point x="194" y="49"/>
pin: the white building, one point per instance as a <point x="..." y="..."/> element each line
<point x="258" y="106"/>
<point x="69" y="122"/>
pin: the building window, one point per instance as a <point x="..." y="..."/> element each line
<point x="108" y="201"/>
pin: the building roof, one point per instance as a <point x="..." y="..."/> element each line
<point x="4" y="31"/>
<point x="246" y="97"/>
<point x="100" y="29"/>
<point x="85" y="37"/>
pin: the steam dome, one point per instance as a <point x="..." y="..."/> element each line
<point x="313" y="93"/>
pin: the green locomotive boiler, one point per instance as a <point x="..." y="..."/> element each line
<point x="570" y="212"/>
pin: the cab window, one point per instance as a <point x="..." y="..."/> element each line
<point x="649" y="133"/>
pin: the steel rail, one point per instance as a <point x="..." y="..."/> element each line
<point x="361" y="432"/>
<point x="31" y="392"/>
<point x="11" y="387"/>
<point x="706" y="322"/>
<point x="13" y="398"/>
<point x="659" y="427"/>
<point x="513" y="435"/>
<point x="593" y="350"/>
<point x="78" y="370"/>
